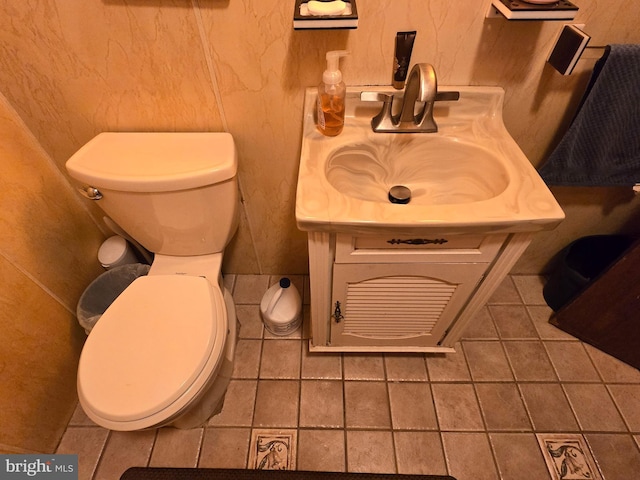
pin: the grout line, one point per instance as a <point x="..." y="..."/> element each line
<point x="390" y="411"/>
<point x="101" y="455"/>
<point x="153" y="446"/>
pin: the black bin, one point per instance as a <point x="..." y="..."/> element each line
<point x="579" y="263"/>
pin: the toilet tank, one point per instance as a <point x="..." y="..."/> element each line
<point x="175" y="193"/>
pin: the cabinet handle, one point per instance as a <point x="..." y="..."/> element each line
<point x="337" y="313"/>
<point x="418" y="241"/>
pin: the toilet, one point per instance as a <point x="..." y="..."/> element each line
<point x="162" y="353"/>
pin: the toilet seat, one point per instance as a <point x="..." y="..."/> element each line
<point x="152" y="352"/>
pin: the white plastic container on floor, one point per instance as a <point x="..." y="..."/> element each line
<point x="116" y="251"/>
<point x="281" y="308"/>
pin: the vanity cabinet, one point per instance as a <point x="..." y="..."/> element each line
<point x="402" y="293"/>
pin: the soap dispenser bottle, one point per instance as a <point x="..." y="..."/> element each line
<point x="331" y="96"/>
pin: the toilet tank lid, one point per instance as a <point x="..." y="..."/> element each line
<point x="155" y="161"/>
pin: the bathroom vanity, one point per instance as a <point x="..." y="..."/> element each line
<point x="410" y="277"/>
<point x="402" y="293"/>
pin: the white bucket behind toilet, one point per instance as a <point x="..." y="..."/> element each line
<point x="116" y="251"/>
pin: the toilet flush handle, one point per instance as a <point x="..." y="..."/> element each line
<point x="92" y="193"/>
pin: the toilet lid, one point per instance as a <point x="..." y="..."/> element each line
<point x="151" y="346"/>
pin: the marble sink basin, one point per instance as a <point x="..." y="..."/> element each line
<point x="470" y="176"/>
<point x="368" y="171"/>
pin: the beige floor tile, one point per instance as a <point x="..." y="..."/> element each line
<point x="405" y="367"/>
<point x="177" y="448"/>
<point x="487" y="361"/>
<point x="513" y="322"/>
<point x="530" y="288"/>
<point x="247" y="358"/>
<point x="448" y="367"/>
<point x="326" y="366"/>
<point x="548" y="407"/>
<point x="529" y="361"/>
<point x="370" y="451"/>
<point x="321" y="450"/>
<point x="502" y="407"/>
<point x="229" y="280"/>
<point x="250" y="322"/>
<point x="124" y="450"/>
<point x="506" y="293"/>
<point x="321" y="404"/>
<point x="419" y="453"/>
<point x="87" y="443"/>
<point x="481" y="327"/>
<point x="366" y="405"/>
<point x="540" y="316"/>
<point x="363" y="366"/>
<point x="225" y="448"/>
<point x="627" y="398"/>
<point x="617" y="455"/>
<point x="79" y="418"/>
<point x="528" y="462"/>
<point x="276" y="404"/>
<point x="469" y="456"/>
<point x="457" y="407"/>
<point x="611" y="369"/>
<point x="239" y="401"/>
<point x="594" y="408"/>
<point x="249" y="289"/>
<point x="412" y="406"/>
<point x="571" y="362"/>
<point x="281" y="359"/>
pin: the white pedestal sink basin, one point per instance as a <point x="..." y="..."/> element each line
<point x="470" y="176"/>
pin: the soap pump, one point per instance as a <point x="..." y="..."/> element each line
<point x="331" y="96"/>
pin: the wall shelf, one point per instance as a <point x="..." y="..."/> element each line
<point x="521" y="10"/>
<point x="304" y="20"/>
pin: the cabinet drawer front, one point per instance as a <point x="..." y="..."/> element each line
<point x="401" y="249"/>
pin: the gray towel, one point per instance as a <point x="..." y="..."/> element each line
<point x="602" y="145"/>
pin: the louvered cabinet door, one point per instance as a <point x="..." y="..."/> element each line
<point x="399" y="304"/>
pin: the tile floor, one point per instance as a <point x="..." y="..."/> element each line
<point x="517" y="389"/>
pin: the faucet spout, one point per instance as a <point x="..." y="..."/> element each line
<point x="422" y="86"/>
<point x="422" y="92"/>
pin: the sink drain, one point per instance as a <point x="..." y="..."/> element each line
<point x="399" y="194"/>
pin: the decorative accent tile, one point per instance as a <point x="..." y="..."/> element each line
<point x="273" y="450"/>
<point x="568" y="457"/>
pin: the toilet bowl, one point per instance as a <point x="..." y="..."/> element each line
<point x="162" y="353"/>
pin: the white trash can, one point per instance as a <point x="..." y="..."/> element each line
<point x="116" y="251"/>
<point x="103" y="291"/>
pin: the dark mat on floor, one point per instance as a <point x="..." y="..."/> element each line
<point x="140" y="473"/>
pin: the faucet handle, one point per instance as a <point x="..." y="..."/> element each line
<point x="447" y="96"/>
<point x="375" y="97"/>
<point x="384" y="120"/>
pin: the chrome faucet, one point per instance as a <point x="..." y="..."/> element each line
<point x="422" y="89"/>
